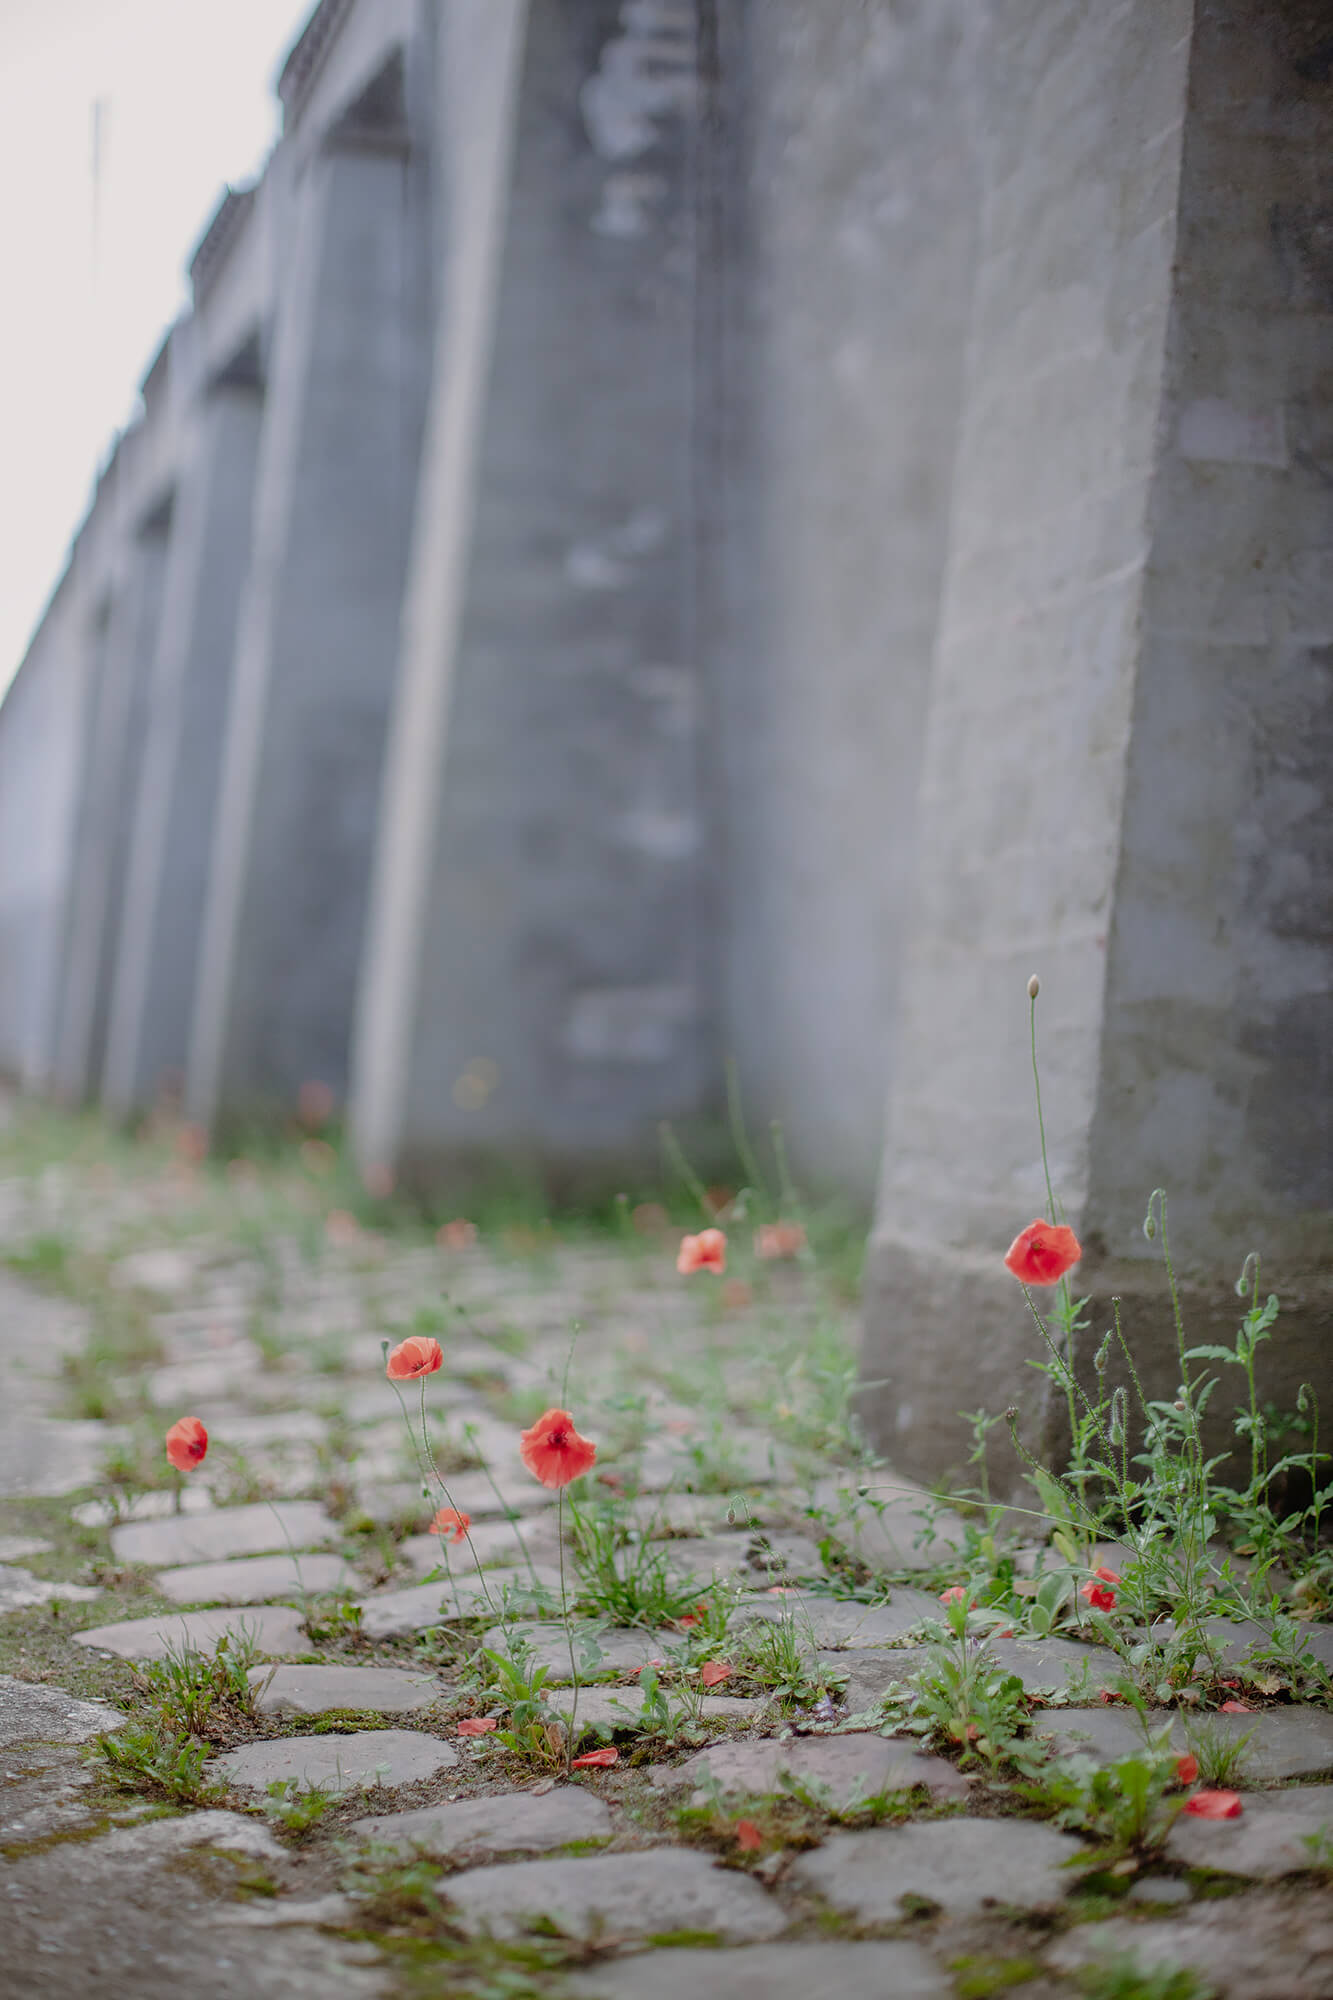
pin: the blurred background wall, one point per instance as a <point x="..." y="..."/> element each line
<point x="681" y="539"/>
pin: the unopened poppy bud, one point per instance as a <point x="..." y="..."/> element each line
<point x="1034" y="987"/>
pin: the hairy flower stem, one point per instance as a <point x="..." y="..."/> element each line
<point x="469" y="1432"/>
<point x="1066" y="1310"/>
<point x="572" y="1738"/>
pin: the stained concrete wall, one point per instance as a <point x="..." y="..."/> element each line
<point x="1120" y="784"/>
<point x="162" y="921"/>
<point x="110" y="757"/>
<point x="317" y="638"/>
<point x="39" y="747"/>
<point x="547" y="998"/>
<point x="833" y="369"/>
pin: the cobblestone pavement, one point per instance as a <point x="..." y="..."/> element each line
<point x="366" y="1808"/>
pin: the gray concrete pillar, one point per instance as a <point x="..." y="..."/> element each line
<point x="318" y="628"/>
<point x="849" y="194"/>
<point x="534" y="984"/>
<point x="157" y="967"/>
<point x="40" y="735"/>
<point x="1125" y="772"/>
<point x="109" y="769"/>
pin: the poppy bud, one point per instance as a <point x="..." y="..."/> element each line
<point x="1034" y="987"/>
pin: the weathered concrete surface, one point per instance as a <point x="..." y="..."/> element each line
<point x="362" y="1760"/>
<point x="511" y="1823"/>
<point x="33" y="1713"/>
<point x="774" y="1972"/>
<point x="831" y="359"/>
<point x="273" y="1628"/>
<point x="153" y="998"/>
<point x="960" y="1864"/>
<point x="653" y="1892"/>
<point x="535" y="985"/>
<point x="1117" y="787"/>
<point x="110" y="763"/>
<point x="318" y="626"/>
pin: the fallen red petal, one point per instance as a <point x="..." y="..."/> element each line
<point x="1235" y="1708"/>
<point x="715" y="1672"/>
<point x="597" y="1758"/>
<point x="748" y="1837"/>
<point x="477" y="1725"/>
<point x="1215" y="1805"/>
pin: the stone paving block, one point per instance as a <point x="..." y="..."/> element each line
<point x="43" y="1458"/>
<point x="44" y="1792"/>
<point x="31" y="1712"/>
<point x="654" y="1892"/>
<point x="281" y="1911"/>
<point x="168" y="1273"/>
<point x="601" y="1652"/>
<point x="884" y="1526"/>
<point x="618" y="1707"/>
<point x="961" y="1864"/>
<point x="224" y="1532"/>
<point x="510" y="1823"/>
<point x="1234" y="1639"/>
<point x="857" y="1764"/>
<point x="20" y="1589"/>
<point x="252" y="1579"/>
<point x="1267" y="1841"/>
<point x="1295" y="1742"/>
<point x="1059" y="1664"/>
<point x="868" y="1672"/>
<point x="1264" y="1945"/>
<point x="489" y="1542"/>
<point x="361" y="1760"/>
<point x="273" y="1628"/>
<point x="841" y="1971"/>
<point x="391" y="1614"/>
<point x="232" y="1832"/>
<point x="14" y="1548"/>
<point x="838" y="1623"/>
<point x="328" y="1690"/>
<point x="196" y="1498"/>
<point x="206" y="1378"/>
<point x="280" y="1427"/>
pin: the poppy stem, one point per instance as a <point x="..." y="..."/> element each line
<point x="572" y="1738"/>
<point x="426" y="1465"/>
<point x="1041" y="1122"/>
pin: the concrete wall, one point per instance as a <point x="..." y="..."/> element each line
<point x="555" y="1006"/>
<point x="39" y="747"/>
<point x="155" y="989"/>
<point x="318" y="629"/>
<point x="1078" y="117"/>
<point x="1125" y="774"/>
<point x="851" y="191"/>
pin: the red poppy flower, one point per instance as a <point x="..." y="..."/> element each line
<point x="1187" y="1769"/>
<point x="779" y="1239"/>
<point x="596" y="1759"/>
<point x="1042" y="1253"/>
<point x="1215" y="1805"/>
<point x="450" y="1525"/>
<point x="705" y="1252"/>
<point x="554" y="1452"/>
<point x="1099" y="1591"/>
<point x="412" y="1357"/>
<point x="187" y="1443"/>
<point x="1235" y="1708"/>
<point x="714" y="1672"/>
<point x="477" y="1725"/>
<point x="955" y="1594"/>
<point x="748" y="1837"/>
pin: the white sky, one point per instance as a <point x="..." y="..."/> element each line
<point x="187" y="90"/>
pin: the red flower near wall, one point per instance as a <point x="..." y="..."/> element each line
<point x="1042" y="1253"/>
